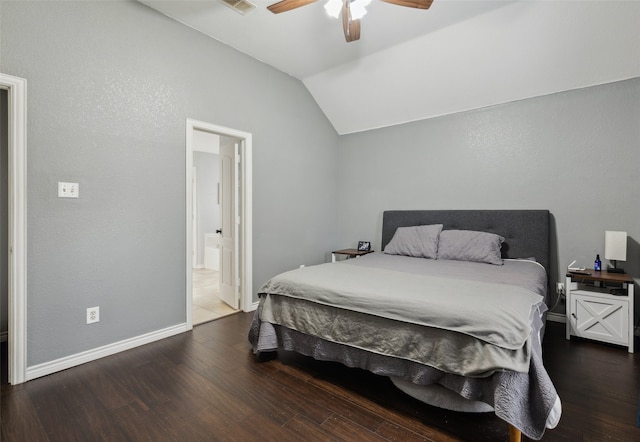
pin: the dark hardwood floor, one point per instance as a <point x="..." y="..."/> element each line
<point x="205" y="385"/>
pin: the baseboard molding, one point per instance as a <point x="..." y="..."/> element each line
<point x="47" y="368"/>
<point x="556" y="317"/>
<point x="4" y="336"/>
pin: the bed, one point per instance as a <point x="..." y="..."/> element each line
<point x="453" y="312"/>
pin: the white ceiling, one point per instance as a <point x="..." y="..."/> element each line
<point x="414" y="64"/>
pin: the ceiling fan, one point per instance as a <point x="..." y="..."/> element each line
<point x="352" y="11"/>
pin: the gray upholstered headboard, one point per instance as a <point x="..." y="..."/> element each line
<point x="526" y="232"/>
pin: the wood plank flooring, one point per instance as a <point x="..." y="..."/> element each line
<point x="205" y="385"/>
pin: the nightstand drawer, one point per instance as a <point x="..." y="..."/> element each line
<point x="600" y="316"/>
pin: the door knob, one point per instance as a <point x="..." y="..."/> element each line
<point x="218" y="230"/>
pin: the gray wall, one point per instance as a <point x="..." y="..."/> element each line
<point x="207" y="175"/>
<point x="4" y="207"/>
<point x="110" y="85"/>
<point x="574" y="153"/>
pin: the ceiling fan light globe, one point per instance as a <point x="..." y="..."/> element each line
<point x="357" y="11"/>
<point x="333" y="8"/>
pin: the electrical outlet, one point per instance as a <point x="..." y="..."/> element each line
<point x="559" y="288"/>
<point x="93" y="315"/>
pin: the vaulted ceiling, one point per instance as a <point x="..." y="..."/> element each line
<point x="412" y="64"/>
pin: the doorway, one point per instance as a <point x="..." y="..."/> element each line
<point x="208" y="217"/>
<point x="218" y="221"/>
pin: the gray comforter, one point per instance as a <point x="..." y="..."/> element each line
<point x="409" y="314"/>
<point x="392" y="315"/>
<point x="499" y="314"/>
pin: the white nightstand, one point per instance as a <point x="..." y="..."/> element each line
<point x="594" y="313"/>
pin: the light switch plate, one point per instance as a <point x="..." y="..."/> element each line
<point x="68" y="190"/>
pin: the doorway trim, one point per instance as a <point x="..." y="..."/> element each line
<point x="17" y="226"/>
<point x="246" y="209"/>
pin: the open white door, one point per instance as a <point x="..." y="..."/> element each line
<point x="194" y="220"/>
<point x="229" y="292"/>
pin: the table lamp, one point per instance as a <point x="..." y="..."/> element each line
<point x="615" y="249"/>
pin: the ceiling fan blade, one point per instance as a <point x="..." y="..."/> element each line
<point x="420" y="4"/>
<point x="350" y="27"/>
<point x="288" y="5"/>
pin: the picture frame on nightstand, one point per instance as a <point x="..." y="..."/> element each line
<point x="364" y="246"/>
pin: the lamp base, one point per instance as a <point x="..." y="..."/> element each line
<point x="615" y="270"/>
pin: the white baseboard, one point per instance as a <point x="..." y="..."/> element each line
<point x="4" y="336"/>
<point x="50" y="367"/>
<point x="556" y="317"/>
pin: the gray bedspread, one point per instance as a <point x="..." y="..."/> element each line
<point x="439" y="348"/>
<point x="374" y="306"/>
<point x="524" y="273"/>
<point x="375" y="312"/>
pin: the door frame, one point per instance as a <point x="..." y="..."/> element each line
<point x="17" y="226"/>
<point x="246" y="209"/>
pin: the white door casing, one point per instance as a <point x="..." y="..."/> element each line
<point x="17" y="225"/>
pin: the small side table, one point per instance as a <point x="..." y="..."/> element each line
<point x="595" y="313"/>
<point x="351" y="253"/>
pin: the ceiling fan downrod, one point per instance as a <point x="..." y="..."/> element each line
<point x="350" y="26"/>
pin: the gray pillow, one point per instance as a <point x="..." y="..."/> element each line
<point x="416" y="241"/>
<point x="469" y="245"/>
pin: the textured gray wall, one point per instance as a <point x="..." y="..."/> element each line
<point x="110" y="85"/>
<point x="4" y="207"/>
<point x="574" y="153"/>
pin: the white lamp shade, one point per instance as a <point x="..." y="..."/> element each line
<point x="615" y="245"/>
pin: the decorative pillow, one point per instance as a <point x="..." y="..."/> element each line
<point x="416" y="241"/>
<point x="469" y="245"/>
